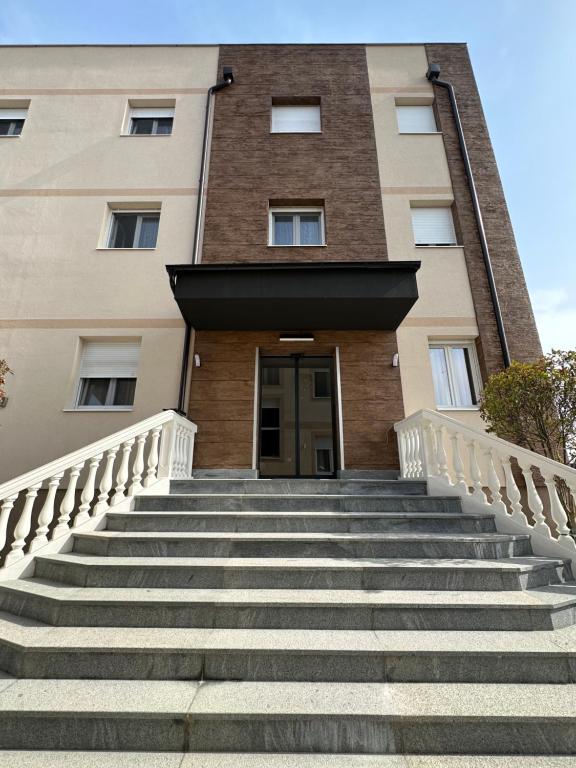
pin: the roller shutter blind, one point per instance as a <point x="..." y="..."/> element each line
<point x="296" y="119"/>
<point x="416" y="119"/>
<point x="433" y="226"/>
<point x="151" y="112"/>
<point x="109" y="360"/>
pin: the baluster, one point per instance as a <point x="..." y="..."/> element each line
<point x="458" y="465"/>
<point x="88" y="491"/>
<point x="105" y="483"/>
<point x="23" y="526"/>
<point x="418" y="462"/>
<point x="153" y="456"/>
<point x="494" y="484"/>
<point x="476" y="474"/>
<point x="68" y="502"/>
<point x="534" y="501"/>
<point x="46" y="514"/>
<point x="138" y="466"/>
<point x="430" y="447"/>
<point x="122" y="475"/>
<point x="557" y="510"/>
<point x="408" y="452"/>
<point x="441" y="457"/>
<point x="177" y="452"/>
<point x="5" y="509"/>
<point x="513" y="493"/>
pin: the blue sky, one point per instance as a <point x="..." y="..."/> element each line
<point x="524" y="56"/>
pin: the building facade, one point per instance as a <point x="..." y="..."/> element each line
<point x="297" y="267"/>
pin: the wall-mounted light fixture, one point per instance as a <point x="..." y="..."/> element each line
<point x="197" y="360"/>
<point x="296" y="337"/>
<point x="395" y="360"/>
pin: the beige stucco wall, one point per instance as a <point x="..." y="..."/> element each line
<point x="414" y="168"/>
<point x="56" y="183"/>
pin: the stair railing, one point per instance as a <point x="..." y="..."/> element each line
<point x="106" y="474"/>
<point x="458" y="460"/>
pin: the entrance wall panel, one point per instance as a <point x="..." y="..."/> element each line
<point x="222" y="394"/>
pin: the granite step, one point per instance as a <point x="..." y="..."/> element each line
<point x="78" y="759"/>
<point x="334" y="718"/>
<point x="299" y="522"/>
<point x="292" y="486"/>
<point x="30" y="649"/>
<point x="378" y="545"/>
<point x="54" y="603"/>
<point x="260" y="502"/>
<point x="302" y="573"/>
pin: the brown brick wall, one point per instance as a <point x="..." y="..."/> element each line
<point x="511" y="287"/>
<point x="249" y="166"/>
<point x="222" y="394"/>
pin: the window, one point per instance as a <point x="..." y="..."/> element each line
<point x="456" y="375"/>
<point x="416" y="119"/>
<point x="108" y="374"/>
<point x="433" y="226"/>
<point x="270" y="430"/>
<point x="12" y="121"/>
<point x="296" y="118"/>
<point x="134" y="229"/>
<point x="270" y="376"/>
<point x="301" y="227"/>
<point x="151" y="121"/>
<point x="323" y="450"/>
<point x="322" y="384"/>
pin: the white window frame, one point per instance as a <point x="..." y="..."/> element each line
<point x="140" y="213"/>
<point x="149" y="113"/>
<point x="447" y="346"/>
<point x="112" y="382"/>
<point x="273" y="123"/>
<point x="13" y="115"/>
<point x="417" y="106"/>
<point x="454" y="235"/>
<point x="295" y="212"/>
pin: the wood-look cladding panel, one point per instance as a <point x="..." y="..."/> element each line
<point x="513" y="295"/>
<point x="222" y="394"/>
<point x="250" y="166"/>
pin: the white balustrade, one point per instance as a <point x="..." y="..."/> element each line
<point x="489" y="468"/>
<point x="164" y="447"/>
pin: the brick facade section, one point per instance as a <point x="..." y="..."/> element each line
<point x="222" y="394"/>
<point x="519" y="323"/>
<point x="250" y="166"/>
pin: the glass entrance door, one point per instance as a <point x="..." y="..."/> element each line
<point x="296" y="431"/>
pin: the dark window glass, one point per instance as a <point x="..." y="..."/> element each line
<point x="148" y="232"/>
<point x="124" y="393"/>
<point x="321" y="383"/>
<point x="150" y="126"/>
<point x="134" y="230"/>
<point x="94" y="391"/>
<point x="270" y="443"/>
<point x="271" y="377"/>
<point x="271" y="418"/>
<point x="323" y="463"/>
<point x="142" y="125"/>
<point x="11" y="127"/>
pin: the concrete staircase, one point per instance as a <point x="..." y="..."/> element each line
<point x="280" y="624"/>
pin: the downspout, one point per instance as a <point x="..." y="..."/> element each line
<point x="227" y="79"/>
<point x="433" y="75"/>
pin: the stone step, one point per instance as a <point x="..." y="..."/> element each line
<point x="296" y="503"/>
<point x="30" y="649"/>
<point x="53" y="603"/>
<point x="426" y="545"/>
<point x="336" y="718"/>
<point x="298" y="522"/>
<point x="292" y="486"/>
<point x="301" y="573"/>
<point x="78" y="759"/>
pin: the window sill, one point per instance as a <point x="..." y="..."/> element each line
<point x="16" y="136"/>
<point x="102" y="248"/>
<point x="100" y="409"/>
<point x="321" y="245"/>
<point x="295" y="133"/>
<point x="454" y="245"/>
<point x="419" y="133"/>
<point x="145" y="135"/>
<point x="457" y="408"/>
